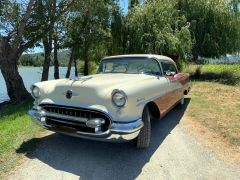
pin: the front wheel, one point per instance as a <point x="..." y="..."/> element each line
<point x="144" y="136"/>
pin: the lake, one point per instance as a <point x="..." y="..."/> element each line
<point x="30" y="75"/>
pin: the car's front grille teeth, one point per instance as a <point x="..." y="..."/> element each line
<point x="74" y="112"/>
<point x="75" y="126"/>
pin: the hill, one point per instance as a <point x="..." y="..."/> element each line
<point x="37" y="59"/>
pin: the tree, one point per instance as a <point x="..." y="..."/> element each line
<point x="48" y="11"/>
<point x="235" y="10"/>
<point x="213" y="29"/>
<point x="235" y="6"/>
<point x="20" y="29"/>
<point x="156" y="27"/>
<point x="70" y="63"/>
<point x="55" y="55"/>
<point x="118" y="31"/>
<point x="132" y="3"/>
<point x="14" y="22"/>
<point x="87" y="26"/>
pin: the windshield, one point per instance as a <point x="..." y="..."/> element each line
<point x="133" y="65"/>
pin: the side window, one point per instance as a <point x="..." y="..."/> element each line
<point x="168" y="67"/>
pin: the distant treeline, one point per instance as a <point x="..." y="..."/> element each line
<point x="37" y="59"/>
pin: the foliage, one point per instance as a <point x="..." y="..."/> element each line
<point x="118" y="31"/>
<point x="22" y="25"/>
<point x="28" y="60"/>
<point x="223" y="73"/>
<point x="37" y="59"/>
<point x="87" y="29"/>
<point x="156" y="27"/>
<point x="214" y="27"/>
<point x="93" y="67"/>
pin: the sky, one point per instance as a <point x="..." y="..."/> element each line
<point x="124" y="6"/>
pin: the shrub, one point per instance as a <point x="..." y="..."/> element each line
<point x="223" y="73"/>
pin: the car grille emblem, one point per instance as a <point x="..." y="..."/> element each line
<point x="69" y="94"/>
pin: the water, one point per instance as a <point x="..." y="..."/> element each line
<point x="30" y="76"/>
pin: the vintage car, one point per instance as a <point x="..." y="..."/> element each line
<point x="116" y="104"/>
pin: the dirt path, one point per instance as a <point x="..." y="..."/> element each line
<point x="173" y="154"/>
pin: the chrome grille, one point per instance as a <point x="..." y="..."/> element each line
<point x="73" y="117"/>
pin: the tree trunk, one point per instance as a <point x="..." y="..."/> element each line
<point x="15" y="86"/>
<point x="85" y="70"/>
<point x="8" y="65"/>
<point x="75" y="65"/>
<point x="55" y="58"/>
<point x="195" y="56"/>
<point x="69" y="64"/>
<point x="47" y="44"/>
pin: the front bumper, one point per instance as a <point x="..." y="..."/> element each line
<point x="117" y="132"/>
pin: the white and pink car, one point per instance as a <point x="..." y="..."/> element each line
<point x="116" y="104"/>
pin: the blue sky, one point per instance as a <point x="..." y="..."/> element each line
<point x="124" y="6"/>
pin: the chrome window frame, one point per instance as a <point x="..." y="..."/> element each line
<point x="162" y="60"/>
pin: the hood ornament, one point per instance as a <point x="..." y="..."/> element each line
<point x="69" y="94"/>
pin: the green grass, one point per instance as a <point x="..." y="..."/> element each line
<point x="217" y="106"/>
<point x="16" y="127"/>
<point x="215" y="98"/>
<point x="228" y="74"/>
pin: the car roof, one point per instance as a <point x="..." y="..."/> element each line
<point x="158" y="57"/>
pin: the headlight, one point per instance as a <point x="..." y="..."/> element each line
<point x="35" y="92"/>
<point x="119" y="98"/>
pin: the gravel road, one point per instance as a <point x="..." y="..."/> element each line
<point x="173" y="154"/>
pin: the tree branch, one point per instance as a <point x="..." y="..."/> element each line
<point x="30" y="43"/>
<point x="22" y="25"/>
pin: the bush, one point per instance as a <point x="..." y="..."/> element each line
<point x="197" y="74"/>
<point x="92" y="67"/>
<point x="223" y="73"/>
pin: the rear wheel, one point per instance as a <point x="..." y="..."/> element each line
<point x="144" y="136"/>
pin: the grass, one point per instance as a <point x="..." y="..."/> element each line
<point x="15" y="128"/>
<point x="215" y="98"/>
<point x="228" y="74"/>
<point x="217" y="106"/>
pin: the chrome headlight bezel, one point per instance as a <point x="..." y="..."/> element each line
<point x="35" y="91"/>
<point x="119" y="95"/>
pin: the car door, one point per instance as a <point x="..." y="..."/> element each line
<point x="170" y="71"/>
<point x="163" y="85"/>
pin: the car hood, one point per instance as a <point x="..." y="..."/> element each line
<point x="88" y="90"/>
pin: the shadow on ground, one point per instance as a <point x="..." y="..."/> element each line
<point x="225" y="77"/>
<point x="92" y="159"/>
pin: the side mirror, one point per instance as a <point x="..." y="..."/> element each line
<point x="169" y="73"/>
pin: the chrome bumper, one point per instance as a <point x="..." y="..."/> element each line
<point x="118" y="132"/>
